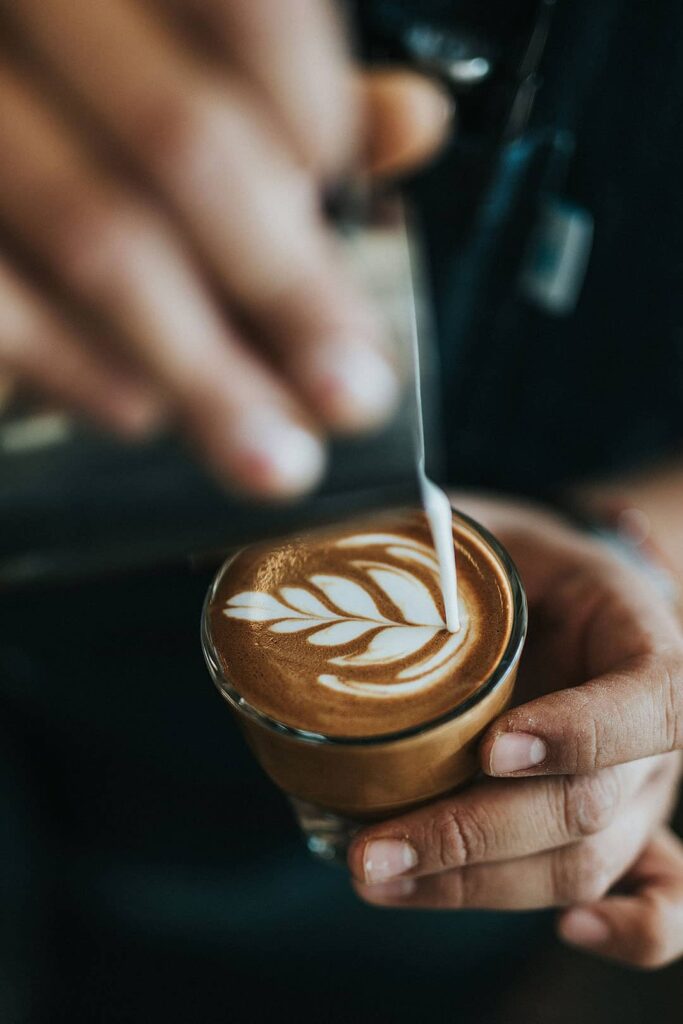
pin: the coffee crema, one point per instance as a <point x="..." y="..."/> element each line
<point x="342" y="632"/>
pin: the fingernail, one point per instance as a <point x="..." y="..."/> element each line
<point x="386" y="858"/>
<point x="357" y="387"/>
<point x="516" y="751"/>
<point x="277" y="455"/>
<point x="387" y="892"/>
<point x="584" y="928"/>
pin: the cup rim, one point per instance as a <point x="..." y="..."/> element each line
<point x="498" y="677"/>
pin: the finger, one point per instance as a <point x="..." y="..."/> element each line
<point x="645" y="928"/>
<point x="120" y="258"/>
<point x="39" y="349"/>
<point x="582" y="873"/>
<point x="618" y="717"/>
<point x="408" y="117"/>
<point x="249" y="205"/>
<point x="402" y="116"/>
<point x="296" y="55"/>
<point x="496" y="822"/>
<point x="633" y="706"/>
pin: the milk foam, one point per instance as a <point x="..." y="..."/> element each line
<point x="350" y="615"/>
<point x="440" y="518"/>
<point x="343" y="632"/>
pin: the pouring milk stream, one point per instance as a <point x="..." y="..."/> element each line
<point x="385" y="257"/>
<point x="436" y="505"/>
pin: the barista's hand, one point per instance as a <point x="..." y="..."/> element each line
<point x="604" y="662"/>
<point x="163" y="252"/>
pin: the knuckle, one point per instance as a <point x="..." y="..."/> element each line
<point x="590" y="802"/>
<point x="579" y="731"/>
<point x="589" y="743"/>
<point x="166" y="128"/>
<point x="458" y="839"/>
<point x="195" y="141"/>
<point x="583" y="875"/>
<point x="99" y="246"/>
<point x="672" y="705"/>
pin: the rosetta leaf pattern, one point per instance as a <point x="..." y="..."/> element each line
<point x="349" y="613"/>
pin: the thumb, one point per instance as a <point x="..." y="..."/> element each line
<point x="645" y="928"/>
<point x="621" y="716"/>
<point x="408" y="117"/>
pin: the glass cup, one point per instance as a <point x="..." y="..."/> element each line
<point x="336" y="784"/>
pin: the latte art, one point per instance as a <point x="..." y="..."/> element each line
<point x="336" y="611"/>
<point x="344" y="631"/>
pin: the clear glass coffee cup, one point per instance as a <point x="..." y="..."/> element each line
<point x="337" y="783"/>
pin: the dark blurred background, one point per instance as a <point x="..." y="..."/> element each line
<point x="149" y="871"/>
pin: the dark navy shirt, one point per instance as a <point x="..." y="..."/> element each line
<point x="533" y="400"/>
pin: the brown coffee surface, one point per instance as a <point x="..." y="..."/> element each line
<point x="342" y="631"/>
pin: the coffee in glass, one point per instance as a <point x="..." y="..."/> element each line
<point x="332" y="649"/>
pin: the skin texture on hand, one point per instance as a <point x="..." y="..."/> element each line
<point x="164" y="255"/>
<point x="642" y="923"/>
<point x="597" y="692"/>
